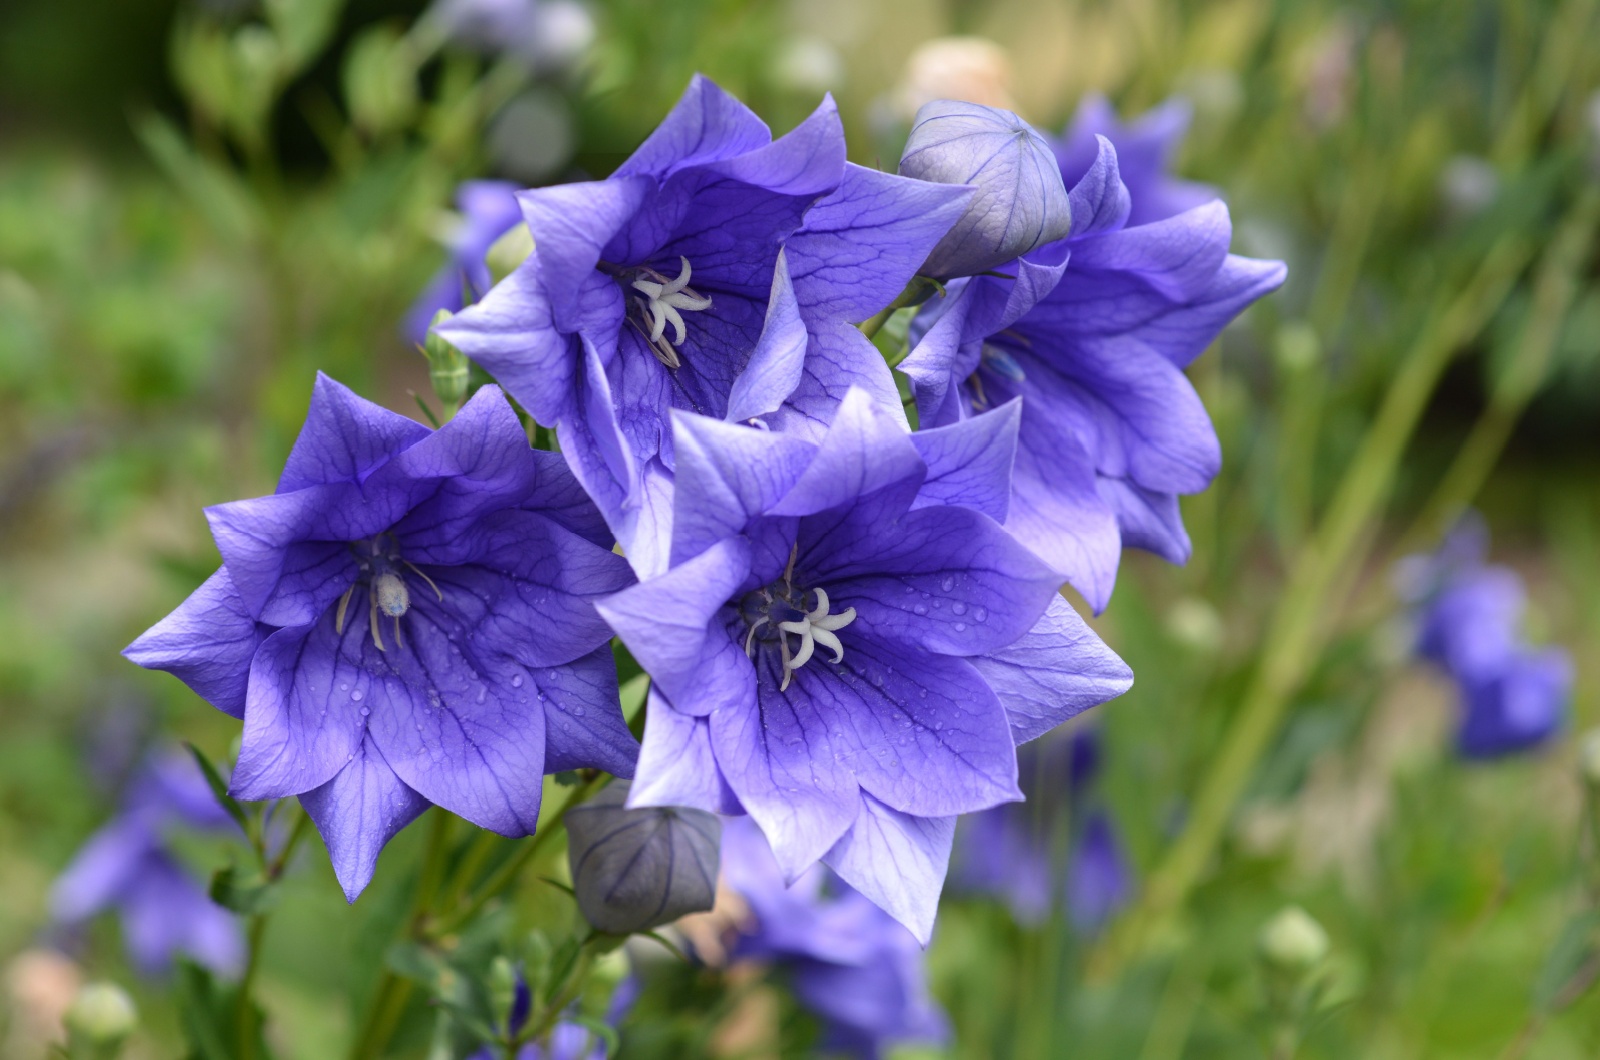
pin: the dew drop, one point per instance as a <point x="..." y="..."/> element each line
<point x="365" y="712"/>
<point x="356" y="696"/>
<point x="344" y="686"/>
<point x="980" y="614"/>
<point x="948" y="584"/>
<point x="920" y="609"/>
<point x="577" y="711"/>
<point x="958" y="608"/>
<point x="516" y="681"/>
<point x="961" y="627"/>
<point x="922" y="693"/>
<point x="483" y="693"/>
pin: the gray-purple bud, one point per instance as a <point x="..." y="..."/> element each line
<point x="636" y="869"/>
<point x="1020" y="202"/>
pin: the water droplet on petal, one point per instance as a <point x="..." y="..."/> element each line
<point x="577" y="711"/>
<point x="961" y="627"/>
<point x="958" y="608"/>
<point x="356" y="696"/>
<point x="365" y="712"/>
<point x="979" y="615"/>
<point x="920" y="609"/>
<point x="516" y="681"/>
<point x="948" y="584"/>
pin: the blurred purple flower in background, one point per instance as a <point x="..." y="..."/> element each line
<point x="1468" y="624"/>
<point x="129" y="866"/>
<point x="848" y="645"/>
<point x="1095" y="331"/>
<point x="1145" y="147"/>
<point x="544" y="34"/>
<point x="848" y="962"/>
<point x="488" y="211"/>
<point x="1059" y="849"/>
<point x="408" y="620"/>
<point x="568" y="1040"/>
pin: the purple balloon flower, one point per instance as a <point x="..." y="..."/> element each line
<point x="1095" y="332"/>
<point x="666" y="286"/>
<point x="488" y="211"/>
<point x="1513" y="697"/>
<point x="128" y="866"/>
<point x="408" y="620"/>
<point x="848" y="645"/>
<point x="1145" y="147"/>
<point x="1058" y="848"/>
<point x="847" y="961"/>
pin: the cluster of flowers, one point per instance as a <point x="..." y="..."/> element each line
<point x="850" y="626"/>
<point x="1469" y="624"/>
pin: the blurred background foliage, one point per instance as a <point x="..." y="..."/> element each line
<point x="203" y="203"/>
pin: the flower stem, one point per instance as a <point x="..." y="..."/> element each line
<point x="919" y="290"/>
<point x="504" y="876"/>
<point x="1299" y="626"/>
<point x="1554" y="288"/>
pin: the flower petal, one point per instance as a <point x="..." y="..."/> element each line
<point x="705" y="124"/>
<point x="358" y="812"/>
<point x="345" y="438"/>
<point x="947" y="579"/>
<point x="921" y="732"/>
<point x="969" y="462"/>
<point x="727" y="475"/>
<point x="676" y="763"/>
<point x="864" y="451"/>
<point x="1059" y="669"/>
<point x="671" y="625"/>
<point x="787" y="768"/>
<point x="570" y="224"/>
<point x="862" y="244"/>
<point x="774" y="366"/>
<point x="207" y="642"/>
<point x="898" y="861"/>
<point x="583" y="723"/>
<point x="838" y="357"/>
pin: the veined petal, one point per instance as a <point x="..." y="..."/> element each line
<point x="864" y="451"/>
<point x="358" y="812"/>
<point x="704" y="125"/>
<point x="345" y="438"/>
<point x="677" y="766"/>
<point x="207" y="642"/>
<point x="898" y="861"/>
<point x="969" y="462"/>
<point x="775" y="364"/>
<point x="570" y="224"/>
<point x="726" y="476"/>
<point x="862" y="244"/>
<point x="1059" y="669"/>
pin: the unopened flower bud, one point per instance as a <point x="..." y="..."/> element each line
<point x="448" y="369"/>
<point x="1294" y="942"/>
<point x="636" y="869"/>
<point x="101" y="1017"/>
<point x="1020" y="202"/>
<point x="1589" y="758"/>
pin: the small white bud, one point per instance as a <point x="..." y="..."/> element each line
<point x="102" y="1014"/>
<point x="1293" y="941"/>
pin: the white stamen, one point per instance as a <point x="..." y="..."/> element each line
<point x="817" y="626"/>
<point x="662" y="301"/>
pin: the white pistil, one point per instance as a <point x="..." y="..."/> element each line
<point x="662" y="301"/>
<point x="813" y="628"/>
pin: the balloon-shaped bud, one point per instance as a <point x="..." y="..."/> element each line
<point x="636" y="869"/>
<point x="1293" y="941"/>
<point x="101" y="1017"/>
<point x="1020" y="202"/>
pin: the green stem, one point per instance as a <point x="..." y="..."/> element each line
<point x="1554" y="288"/>
<point x="919" y="290"/>
<point x="577" y="978"/>
<point x="504" y="876"/>
<point x="390" y="997"/>
<point x="1299" y="625"/>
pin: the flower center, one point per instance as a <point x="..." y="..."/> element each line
<point x="380" y="563"/>
<point x="660" y="302"/>
<point x="778" y="612"/>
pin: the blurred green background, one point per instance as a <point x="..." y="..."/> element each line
<point x="186" y="237"/>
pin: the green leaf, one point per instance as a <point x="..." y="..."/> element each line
<point x="1575" y="949"/>
<point x="243" y="894"/>
<point x="219" y="788"/>
<point x="215" y="192"/>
